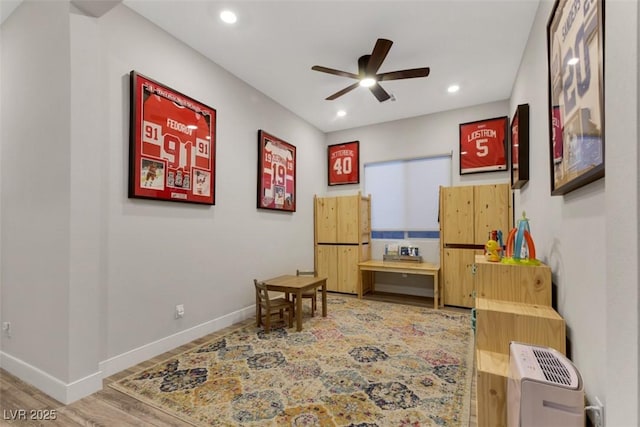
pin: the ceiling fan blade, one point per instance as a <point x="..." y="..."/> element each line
<point x="403" y="74"/>
<point x="335" y="72"/>
<point x="362" y="65"/>
<point x="379" y="92"/>
<point x="380" y="51"/>
<point x="343" y="91"/>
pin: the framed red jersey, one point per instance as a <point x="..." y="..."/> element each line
<point x="172" y="145"/>
<point x="344" y="163"/>
<point x="276" y="173"/>
<point x="483" y="146"/>
<point x="520" y="147"/>
<point x="556" y="134"/>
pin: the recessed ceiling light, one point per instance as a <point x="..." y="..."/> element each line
<point x="573" y="61"/>
<point x="453" y="88"/>
<point x="367" y="82"/>
<point x="228" y="17"/>
<point x="341" y="113"/>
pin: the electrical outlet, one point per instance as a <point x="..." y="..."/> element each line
<point x="596" y="413"/>
<point x="179" y="311"/>
<point x="6" y="327"/>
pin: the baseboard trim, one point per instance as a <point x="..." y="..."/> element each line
<point x="69" y="393"/>
<point x="131" y="358"/>
<point x="52" y="386"/>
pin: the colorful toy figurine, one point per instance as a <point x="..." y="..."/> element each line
<point x="493" y="247"/>
<point x="520" y="247"/>
<point x="493" y="250"/>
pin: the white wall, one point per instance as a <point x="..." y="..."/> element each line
<point x="420" y="137"/>
<point x="589" y="236"/>
<point x="579" y="270"/>
<point x="161" y="254"/>
<point x="88" y="142"/>
<point x="622" y="91"/>
<point x="35" y="192"/>
<point x="91" y="275"/>
<point x="1" y="134"/>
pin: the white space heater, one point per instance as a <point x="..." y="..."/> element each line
<point x="544" y="389"/>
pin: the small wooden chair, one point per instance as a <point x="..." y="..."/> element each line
<point x="312" y="294"/>
<point x="267" y="307"/>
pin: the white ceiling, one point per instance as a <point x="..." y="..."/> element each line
<point x="476" y="44"/>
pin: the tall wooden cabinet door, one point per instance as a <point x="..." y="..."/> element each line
<point x="492" y="210"/>
<point x="365" y="227"/>
<point x="458" y="280"/>
<point x="347" y="219"/>
<point x="456" y="214"/>
<point x="348" y="269"/>
<point x="326" y="219"/>
<point x="327" y="265"/>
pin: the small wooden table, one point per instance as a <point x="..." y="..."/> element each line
<point x="406" y="267"/>
<point x="297" y="285"/>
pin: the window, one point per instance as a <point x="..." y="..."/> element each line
<point x="405" y="196"/>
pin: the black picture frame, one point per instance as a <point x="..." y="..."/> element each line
<point x="343" y="163"/>
<point x="172" y="144"/>
<point x="483" y="145"/>
<point x="520" y="147"/>
<point x="276" y="173"/>
<point x="575" y="53"/>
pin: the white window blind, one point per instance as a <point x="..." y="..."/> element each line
<point x="405" y="193"/>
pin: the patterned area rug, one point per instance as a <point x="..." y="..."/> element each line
<point x="367" y="364"/>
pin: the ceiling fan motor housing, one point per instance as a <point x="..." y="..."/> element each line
<point x="368" y="66"/>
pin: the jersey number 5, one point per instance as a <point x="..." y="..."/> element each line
<point x="482" y="150"/>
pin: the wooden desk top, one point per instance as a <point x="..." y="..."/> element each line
<point x="400" y="266"/>
<point x="294" y="282"/>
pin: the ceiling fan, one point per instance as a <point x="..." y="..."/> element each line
<point x="368" y="66"/>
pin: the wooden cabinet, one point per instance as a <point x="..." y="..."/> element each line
<point x="342" y="219"/>
<point x="500" y="322"/>
<point x="491" y="390"/>
<point x="513" y="304"/>
<point x="467" y="215"/>
<point x="471" y="275"/>
<point x="339" y="264"/>
<point x="530" y="284"/>
<point x="493" y="210"/>
<point x="342" y="239"/>
<point x="457" y="276"/>
<point x="457" y="214"/>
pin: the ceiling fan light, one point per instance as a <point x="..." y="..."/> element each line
<point x="228" y="16"/>
<point x="367" y="82"/>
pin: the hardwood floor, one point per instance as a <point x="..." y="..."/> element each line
<point x="109" y="407"/>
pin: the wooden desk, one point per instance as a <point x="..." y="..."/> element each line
<point x="297" y="285"/>
<point x="406" y="267"/>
